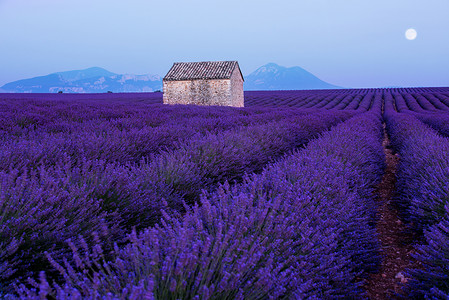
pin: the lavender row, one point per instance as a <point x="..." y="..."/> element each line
<point x="44" y="207"/>
<point x="300" y="229"/>
<point x="423" y="155"/>
<point x="431" y="279"/>
<point x="332" y="100"/>
<point x="150" y="98"/>
<point x="416" y="99"/>
<point x="226" y="156"/>
<point x="110" y="141"/>
<point x="23" y="117"/>
<point x="437" y="121"/>
<point x="417" y="102"/>
<point x="423" y="199"/>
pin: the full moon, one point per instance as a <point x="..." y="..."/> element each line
<point x="411" y="34"/>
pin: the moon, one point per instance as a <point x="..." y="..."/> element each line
<point x="411" y="34"/>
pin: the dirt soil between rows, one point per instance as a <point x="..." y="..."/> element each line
<point x="396" y="244"/>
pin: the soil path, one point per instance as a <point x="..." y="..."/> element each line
<point x="396" y="248"/>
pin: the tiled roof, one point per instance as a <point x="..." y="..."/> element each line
<point x="201" y="70"/>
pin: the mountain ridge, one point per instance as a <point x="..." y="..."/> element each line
<point x="90" y="80"/>
<point x="98" y="80"/>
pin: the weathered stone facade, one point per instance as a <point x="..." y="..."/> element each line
<point x="205" y="91"/>
<point x="237" y="89"/>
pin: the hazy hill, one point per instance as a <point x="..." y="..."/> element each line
<point x="274" y="77"/>
<point x="92" y="80"/>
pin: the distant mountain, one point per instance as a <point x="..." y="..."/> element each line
<point x="274" y="77"/>
<point x="98" y="80"/>
<point x="76" y="75"/>
<point x="92" y="80"/>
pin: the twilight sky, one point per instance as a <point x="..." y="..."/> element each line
<point x="349" y="43"/>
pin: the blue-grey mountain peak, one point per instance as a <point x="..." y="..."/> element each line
<point x="274" y="77"/>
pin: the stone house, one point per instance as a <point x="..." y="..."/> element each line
<point x="204" y="83"/>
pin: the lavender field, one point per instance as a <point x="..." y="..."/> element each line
<point x="117" y="196"/>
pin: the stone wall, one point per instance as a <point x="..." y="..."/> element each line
<point x="199" y="92"/>
<point x="237" y="98"/>
<point x="205" y="92"/>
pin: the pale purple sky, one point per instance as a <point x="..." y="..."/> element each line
<point x="350" y="43"/>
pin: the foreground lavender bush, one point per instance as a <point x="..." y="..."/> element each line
<point x="423" y="197"/>
<point x="299" y="229"/>
<point x="432" y="281"/>
<point x="86" y="154"/>
<point x="422" y="192"/>
<point x="203" y="163"/>
<point x="76" y="195"/>
<point x="45" y="208"/>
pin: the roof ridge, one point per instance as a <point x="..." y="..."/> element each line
<point x="205" y="61"/>
<point x="201" y="70"/>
